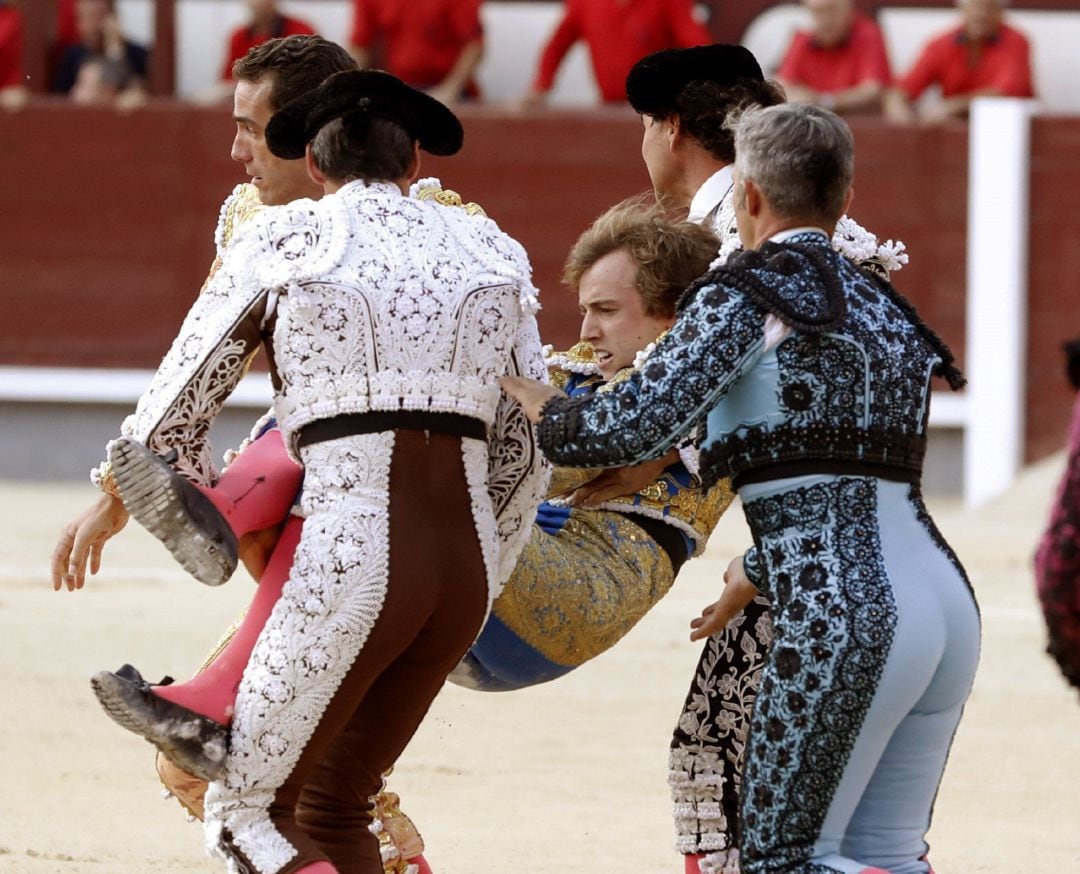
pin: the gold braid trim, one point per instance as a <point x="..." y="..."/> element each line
<point x="449" y="197"/>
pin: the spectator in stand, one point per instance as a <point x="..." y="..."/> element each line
<point x="840" y="63"/>
<point x="983" y="57"/>
<point x="618" y="34"/>
<point x="100" y="39"/>
<point x="67" y="28"/>
<point x="433" y="45"/>
<point x="267" y="22"/>
<point x="12" y="77"/>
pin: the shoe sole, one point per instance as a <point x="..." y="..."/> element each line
<point x="150" y="495"/>
<point x="189" y="754"/>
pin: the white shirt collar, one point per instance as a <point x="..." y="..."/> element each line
<point x="791" y="232"/>
<point x="707" y="199"/>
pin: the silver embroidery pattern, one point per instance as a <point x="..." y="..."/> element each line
<point x="335" y="593"/>
<point x="518" y="473"/>
<point x="475" y="461"/>
<point x="419" y="311"/>
<point x="198" y="373"/>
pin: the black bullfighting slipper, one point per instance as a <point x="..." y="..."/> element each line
<point x="174" y="511"/>
<point x="187" y="739"/>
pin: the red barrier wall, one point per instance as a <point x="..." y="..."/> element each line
<point x="106" y="222"/>
<point x="1053" y="279"/>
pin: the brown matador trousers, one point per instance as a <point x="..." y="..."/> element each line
<point x="388" y="590"/>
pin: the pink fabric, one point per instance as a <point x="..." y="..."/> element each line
<point x="213" y="692"/>
<point x="421" y="863"/>
<point x="693" y="863"/>
<point x="1057" y="564"/>
<point x="257" y="490"/>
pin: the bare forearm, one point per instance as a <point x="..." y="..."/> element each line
<point x="458" y="77"/>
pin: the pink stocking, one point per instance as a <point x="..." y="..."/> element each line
<point x="213" y="692"/>
<point x="257" y="490"/>
<point x="693" y="863"/>
<point x="421" y="863"/>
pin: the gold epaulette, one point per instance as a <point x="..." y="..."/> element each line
<point x="448" y="197"/>
<point x="579" y="358"/>
<point x="239" y="209"/>
<point x="241" y="205"/>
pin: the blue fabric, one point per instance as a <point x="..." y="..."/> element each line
<point x="853" y="385"/>
<point x="552" y="517"/>
<point x="876" y="644"/>
<point x="876" y="629"/>
<point x="500" y="661"/>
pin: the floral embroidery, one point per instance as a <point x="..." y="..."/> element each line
<point x="834" y="617"/>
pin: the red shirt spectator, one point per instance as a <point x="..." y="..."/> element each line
<point x="67" y="29"/>
<point x="261" y="29"/>
<point x="618" y="34"/>
<point x="11" y="47"/>
<point x="827" y="69"/>
<point x="1000" y="63"/>
<point x="422" y="40"/>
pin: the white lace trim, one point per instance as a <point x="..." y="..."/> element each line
<point x="850" y="239"/>
<point x="561" y="361"/>
<point x="263" y="845"/>
<point x="698" y="538"/>
<point x="700" y="823"/>
<point x="333" y="598"/>
<point x="223" y="216"/>
<point x="517" y="472"/>
<point x="474" y="455"/>
<point x="854" y="241"/>
<point x="426" y="184"/>
<point x="690" y="456"/>
<point x="723" y="862"/>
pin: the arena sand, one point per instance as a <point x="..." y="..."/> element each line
<point x="560" y="779"/>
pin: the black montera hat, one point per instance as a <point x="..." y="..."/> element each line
<point x="654" y="83"/>
<point x="371" y="92"/>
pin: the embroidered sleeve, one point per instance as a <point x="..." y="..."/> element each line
<point x="717" y="337"/>
<point x="751" y="563"/>
<point x="517" y="471"/>
<point x="239" y="207"/>
<point x="209" y="356"/>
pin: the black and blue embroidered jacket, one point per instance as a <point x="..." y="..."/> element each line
<point x="847" y="391"/>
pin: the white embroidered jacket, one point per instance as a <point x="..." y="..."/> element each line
<point x="366" y="301"/>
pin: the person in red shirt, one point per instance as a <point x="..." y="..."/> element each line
<point x="983" y="57"/>
<point x="12" y="77"/>
<point x="267" y="22"/>
<point x="618" y="33"/>
<point x="433" y="45"/>
<point x="840" y="63"/>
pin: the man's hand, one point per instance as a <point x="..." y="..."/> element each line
<point x="618" y="481"/>
<point x="83" y="540"/>
<point x="738" y="593"/>
<point x="532" y="395"/>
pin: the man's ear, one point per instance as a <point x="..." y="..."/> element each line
<point x="674" y="132"/>
<point x="316" y="175"/>
<point x="847" y="201"/>
<point x="754" y="200"/>
<point x="414" y="165"/>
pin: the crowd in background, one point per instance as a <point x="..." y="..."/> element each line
<point x="840" y="62"/>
